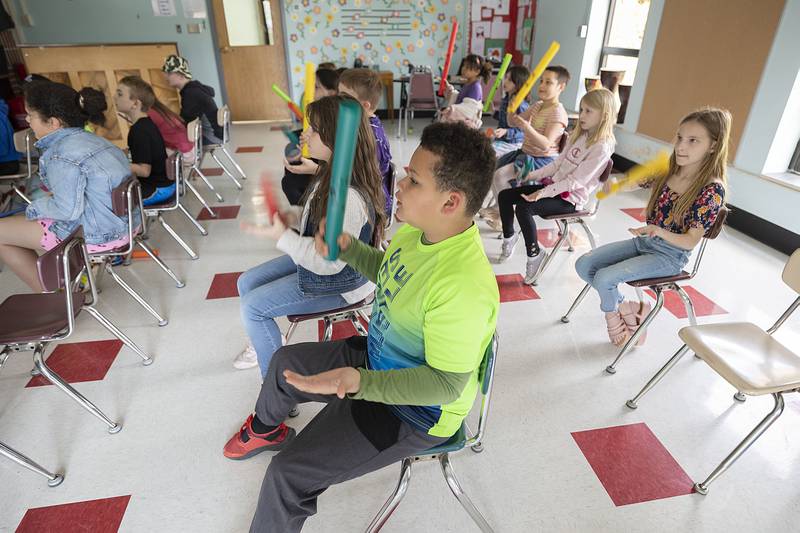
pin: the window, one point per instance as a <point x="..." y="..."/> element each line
<point x="794" y="165"/>
<point x="624" y="34"/>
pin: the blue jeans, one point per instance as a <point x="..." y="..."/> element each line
<point x="268" y="291"/>
<point x="535" y="162"/>
<point x="619" y="262"/>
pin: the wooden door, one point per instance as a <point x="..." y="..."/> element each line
<point x="252" y="58"/>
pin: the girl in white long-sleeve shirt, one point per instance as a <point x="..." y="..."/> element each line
<point x="566" y="184"/>
<point x="301" y="281"/>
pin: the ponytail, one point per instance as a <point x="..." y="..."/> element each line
<point x="93" y="104"/>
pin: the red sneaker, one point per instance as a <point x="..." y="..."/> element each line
<point x="247" y="443"/>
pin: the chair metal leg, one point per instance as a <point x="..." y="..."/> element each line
<point x="203" y="231"/>
<point x="740" y="397"/>
<point x="458" y="492"/>
<point x="178" y="283"/>
<point x="355" y="320"/>
<point x="203" y="177"/>
<point x="549" y="258"/>
<point x="114" y="330"/>
<point x="55" y="379"/>
<point x="611" y="369"/>
<point x="226" y="171"/>
<point x="687" y="303"/>
<point x="394" y="500"/>
<point x="748" y="441"/>
<point x="4" y="356"/>
<point x="633" y="404"/>
<point x="577" y="302"/>
<point x="186" y="248"/>
<point x="135" y="295"/>
<point x="405" y="131"/>
<point x="53" y="480"/>
<point x="589" y="233"/>
<point x="235" y="163"/>
<point x="290" y="331"/>
<point x="328" y="329"/>
<point x="201" y="199"/>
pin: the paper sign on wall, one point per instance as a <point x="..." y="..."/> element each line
<point x="163" y="8"/>
<point x="502" y="7"/>
<point x="500" y="29"/>
<point x="486" y="13"/>
<point x="480" y="31"/>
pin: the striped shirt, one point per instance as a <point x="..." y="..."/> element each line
<point x="541" y="119"/>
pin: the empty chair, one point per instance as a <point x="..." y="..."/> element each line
<point x="421" y="96"/>
<point x="33" y="321"/>
<point x="462" y="439"/>
<point x="224" y="118"/>
<point x="659" y="286"/>
<point x="748" y="358"/>
<point x="195" y="134"/>
<point x="563" y="222"/>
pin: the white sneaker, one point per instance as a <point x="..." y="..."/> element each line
<point x="508" y="248"/>
<point x="247" y="359"/>
<point x="534" y="266"/>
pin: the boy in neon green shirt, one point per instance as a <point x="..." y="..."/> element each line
<point x="408" y="386"/>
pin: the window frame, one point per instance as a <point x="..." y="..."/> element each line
<point x="613" y="50"/>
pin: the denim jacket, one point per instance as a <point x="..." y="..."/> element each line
<point x="346" y="280"/>
<point x="513" y="135"/>
<point x="80" y="170"/>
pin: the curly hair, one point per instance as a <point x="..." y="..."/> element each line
<point x="466" y="160"/>
<point x="72" y="108"/>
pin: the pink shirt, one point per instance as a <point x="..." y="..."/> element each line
<point x="541" y="120"/>
<point x="576" y="171"/>
<point x="173" y="132"/>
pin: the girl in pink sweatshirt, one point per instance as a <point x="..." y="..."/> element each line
<point x="565" y="185"/>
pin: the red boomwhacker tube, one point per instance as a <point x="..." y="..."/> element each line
<point x="448" y="57"/>
<point x="270" y="199"/>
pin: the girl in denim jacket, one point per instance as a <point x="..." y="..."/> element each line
<point x="79" y="170"/>
<point x="301" y="281"/>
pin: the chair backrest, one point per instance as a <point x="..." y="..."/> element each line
<point x="126" y="200"/>
<point x="390" y="180"/>
<point x="791" y="272"/>
<point x="19" y="141"/>
<point x="421" y="93"/>
<point x="486" y="378"/>
<point x="59" y="267"/>
<point x="224" y="120"/>
<point x="562" y="141"/>
<point x="716" y="229"/>
<point x="194" y="132"/>
<point x="175" y="167"/>
<point x="606" y="172"/>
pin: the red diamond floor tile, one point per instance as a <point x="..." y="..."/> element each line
<point x="80" y="361"/>
<point x="635" y="212"/>
<point x="702" y="305"/>
<point x="249" y="149"/>
<point x="632" y="464"/>
<point x="223" y="286"/>
<point x="95" y="516"/>
<point x="341" y="330"/>
<point x="513" y="289"/>
<point x="212" y="171"/>
<point x="224" y="212"/>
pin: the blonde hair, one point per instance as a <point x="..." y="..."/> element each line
<point x="717" y="122"/>
<point x="603" y="101"/>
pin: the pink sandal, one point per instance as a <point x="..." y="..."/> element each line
<point x="633" y="314"/>
<point x="618" y="332"/>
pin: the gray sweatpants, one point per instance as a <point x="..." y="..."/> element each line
<point x="347" y="439"/>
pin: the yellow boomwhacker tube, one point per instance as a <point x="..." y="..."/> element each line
<point x="658" y="166"/>
<point x="537" y="72"/>
<point x="308" y="97"/>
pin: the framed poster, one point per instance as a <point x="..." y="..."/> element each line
<point x="527" y="36"/>
<point x="495" y="49"/>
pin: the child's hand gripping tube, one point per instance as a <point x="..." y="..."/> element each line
<point x="344" y="151"/>
<point x="658" y="166"/>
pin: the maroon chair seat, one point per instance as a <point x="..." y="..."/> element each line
<point x="576" y="214"/>
<point x="316" y="316"/>
<point x="33" y="317"/>
<point x="683" y="275"/>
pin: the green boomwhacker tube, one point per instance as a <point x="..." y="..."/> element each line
<point x="344" y="151"/>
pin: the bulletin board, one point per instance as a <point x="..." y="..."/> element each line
<point x="497" y="27"/>
<point x="726" y="73"/>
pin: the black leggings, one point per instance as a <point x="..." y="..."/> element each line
<point x="509" y="199"/>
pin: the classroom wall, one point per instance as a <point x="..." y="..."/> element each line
<point x="339" y="31"/>
<point x="749" y="190"/>
<point x="118" y="21"/>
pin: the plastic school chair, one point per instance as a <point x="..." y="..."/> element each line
<point x="224" y="118"/>
<point x="748" y="358"/>
<point x="355" y="313"/>
<point x="175" y="173"/>
<point x="456" y="443"/>
<point x="421" y="97"/>
<point x="33" y="321"/>
<point x="563" y="222"/>
<point x="659" y="286"/>
<point x="194" y="133"/>
<point x="53" y="480"/>
<point x="23" y="141"/>
<point x="390" y="180"/>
